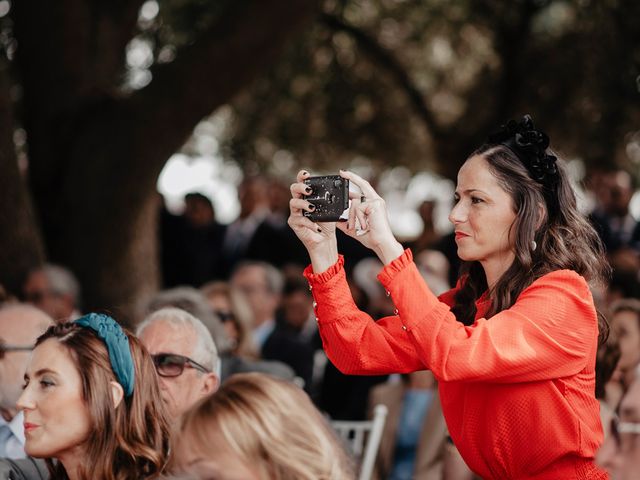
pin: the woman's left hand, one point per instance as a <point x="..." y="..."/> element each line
<point x="368" y="220"/>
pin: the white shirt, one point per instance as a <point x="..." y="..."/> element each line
<point x="13" y="447"/>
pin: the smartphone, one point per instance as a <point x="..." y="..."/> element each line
<point x="330" y="195"/>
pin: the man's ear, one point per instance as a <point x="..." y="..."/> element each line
<point x="210" y="384"/>
<point x="117" y="393"/>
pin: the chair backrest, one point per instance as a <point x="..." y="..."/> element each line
<point x="363" y="439"/>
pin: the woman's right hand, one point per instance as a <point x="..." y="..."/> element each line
<point x="318" y="238"/>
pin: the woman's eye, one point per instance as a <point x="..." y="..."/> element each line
<point x="476" y="200"/>
<point x="25" y="385"/>
<point x="456" y="199"/>
<point x="46" y="383"/>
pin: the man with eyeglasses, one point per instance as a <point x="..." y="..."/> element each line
<point x="20" y="326"/>
<point x="184" y="355"/>
<point x="620" y="453"/>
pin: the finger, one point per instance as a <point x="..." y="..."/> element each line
<point x="365" y="187"/>
<point x="361" y="215"/>
<point x="298" y="205"/>
<point x="300" y="189"/>
<point x="302" y="174"/>
<point x="351" y="221"/>
<point x="300" y="222"/>
<point x="343" y="226"/>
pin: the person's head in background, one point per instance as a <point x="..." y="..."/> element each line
<point x="262" y="284"/>
<point x="184" y="356"/>
<point x="620" y="452"/>
<point x="191" y="300"/>
<point x="20" y="326"/>
<point x="619" y="184"/>
<point x="625" y="323"/>
<point x="55" y="290"/>
<point x="297" y="304"/>
<point x="257" y="427"/>
<point x="253" y="195"/>
<point x="198" y="210"/>
<point x="5" y="297"/>
<point x="91" y="400"/>
<point x="364" y="275"/>
<point x="232" y="308"/>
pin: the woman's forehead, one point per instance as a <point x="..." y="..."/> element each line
<point x="475" y="174"/>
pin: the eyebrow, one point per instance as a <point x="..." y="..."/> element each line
<point x="40" y="372"/>
<point x="471" y="190"/>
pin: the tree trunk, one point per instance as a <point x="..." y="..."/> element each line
<point x="20" y="242"/>
<point x="97" y="155"/>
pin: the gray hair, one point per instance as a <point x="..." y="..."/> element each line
<point x="62" y="281"/>
<point x="273" y="276"/>
<point x="204" y="351"/>
<point x="193" y="301"/>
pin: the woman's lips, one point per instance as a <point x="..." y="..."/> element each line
<point x="460" y="235"/>
<point x="29" y="426"/>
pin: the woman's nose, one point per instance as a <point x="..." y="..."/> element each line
<point x="25" y="402"/>
<point x="457" y="214"/>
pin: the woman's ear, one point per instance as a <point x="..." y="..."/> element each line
<point x="117" y="393"/>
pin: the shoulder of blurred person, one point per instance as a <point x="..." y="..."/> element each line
<point x="23" y="469"/>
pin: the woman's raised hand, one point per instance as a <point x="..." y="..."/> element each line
<point x="318" y="238"/>
<point x="368" y="220"/>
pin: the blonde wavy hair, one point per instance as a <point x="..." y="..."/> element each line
<point x="270" y="424"/>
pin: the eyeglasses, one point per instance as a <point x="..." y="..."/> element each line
<point x="172" y="365"/>
<point x="624" y="432"/>
<point x="4" y="348"/>
<point x="224" y="316"/>
<point x="37" y="296"/>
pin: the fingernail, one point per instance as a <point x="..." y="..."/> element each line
<point x="304" y="172"/>
<point x="308" y="190"/>
<point x="312" y="207"/>
<point x="319" y="230"/>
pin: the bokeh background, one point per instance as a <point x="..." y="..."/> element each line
<point x="110" y="109"/>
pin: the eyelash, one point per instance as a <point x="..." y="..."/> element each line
<point x="474" y="200"/>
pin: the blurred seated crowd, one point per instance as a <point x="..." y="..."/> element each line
<point x="243" y="382"/>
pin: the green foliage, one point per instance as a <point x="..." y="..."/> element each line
<point x="337" y="94"/>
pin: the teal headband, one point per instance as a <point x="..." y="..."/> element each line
<point x="117" y="345"/>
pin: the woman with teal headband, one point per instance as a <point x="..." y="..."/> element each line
<point x="91" y="401"/>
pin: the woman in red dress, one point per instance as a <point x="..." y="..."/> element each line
<point x="513" y="345"/>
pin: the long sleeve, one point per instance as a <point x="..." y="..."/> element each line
<point x="517" y="390"/>
<point x="548" y="333"/>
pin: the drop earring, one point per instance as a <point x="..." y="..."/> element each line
<point x="534" y="245"/>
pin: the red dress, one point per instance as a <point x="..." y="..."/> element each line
<point x="517" y="390"/>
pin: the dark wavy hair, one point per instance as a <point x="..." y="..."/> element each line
<point x="565" y="239"/>
<point x="128" y="441"/>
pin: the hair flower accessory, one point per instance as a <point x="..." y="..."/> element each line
<point x="530" y="146"/>
<point x="117" y="342"/>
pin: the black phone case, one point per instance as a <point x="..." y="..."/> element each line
<point x="330" y="195"/>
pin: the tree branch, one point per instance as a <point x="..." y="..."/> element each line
<point x="389" y="62"/>
<point x="208" y="73"/>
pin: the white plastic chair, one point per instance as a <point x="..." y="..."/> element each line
<point x="362" y="438"/>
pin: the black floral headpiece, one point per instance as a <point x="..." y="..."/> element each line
<point x="530" y="146"/>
